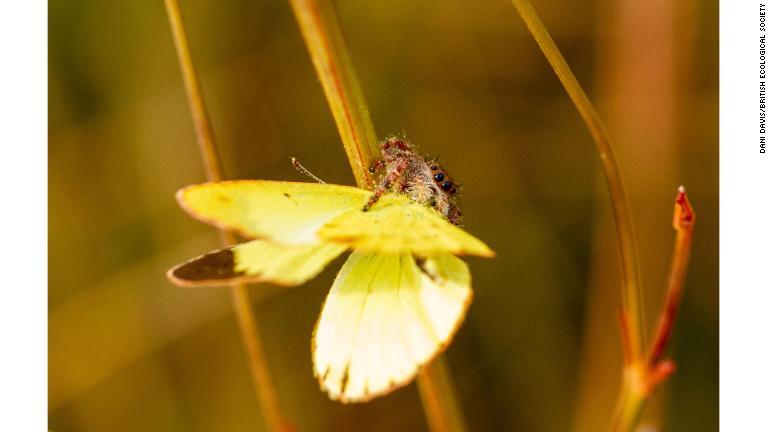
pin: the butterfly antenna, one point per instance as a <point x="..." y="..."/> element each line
<point x="305" y="171"/>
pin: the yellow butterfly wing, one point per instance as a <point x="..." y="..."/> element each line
<point x="256" y="261"/>
<point x="395" y="224"/>
<point x="384" y="317"/>
<point x="284" y="212"/>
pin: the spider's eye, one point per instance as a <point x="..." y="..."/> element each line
<point x="447" y="185"/>
<point x="433" y="167"/>
<point x="453" y="190"/>
<point x="439" y="176"/>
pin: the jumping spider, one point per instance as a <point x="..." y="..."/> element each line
<point x="410" y="173"/>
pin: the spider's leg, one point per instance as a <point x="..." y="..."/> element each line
<point x="300" y="168"/>
<point x="392" y="177"/>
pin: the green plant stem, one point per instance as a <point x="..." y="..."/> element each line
<point x="629" y="406"/>
<point x="325" y="42"/>
<point x="241" y="300"/>
<point x="643" y="371"/>
<point x="631" y="290"/>
<point x="635" y="383"/>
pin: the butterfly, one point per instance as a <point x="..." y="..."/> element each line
<point x="396" y="302"/>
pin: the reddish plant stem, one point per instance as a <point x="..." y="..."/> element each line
<point x="641" y="378"/>
<point x="626" y="345"/>
<point x="683" y="221"/>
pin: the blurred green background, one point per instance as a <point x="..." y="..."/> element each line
<point x="540" y="348"/>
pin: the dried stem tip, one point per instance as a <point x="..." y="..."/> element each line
<point x="684" y="216"/>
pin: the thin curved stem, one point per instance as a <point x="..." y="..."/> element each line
<point x="241" y="300"/>
<point x="643" y="370"/>
<point x="631" y="290"/>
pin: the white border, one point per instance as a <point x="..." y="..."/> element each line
<point x="23" y="172"/>
<point x="743" y="225"/>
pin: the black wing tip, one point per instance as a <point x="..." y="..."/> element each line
<point x="217" y="267"/>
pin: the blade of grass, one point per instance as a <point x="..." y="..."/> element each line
<point x="325" y="42"/>
<point x="631" y="290"/>
<point x="643" y="371"/>
<point x="643" y="120"/>
<point x="241" y="300"/>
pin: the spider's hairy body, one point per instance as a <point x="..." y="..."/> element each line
<point x="424" y="181"/>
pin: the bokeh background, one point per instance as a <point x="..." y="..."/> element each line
<point x="540" y="348"/>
